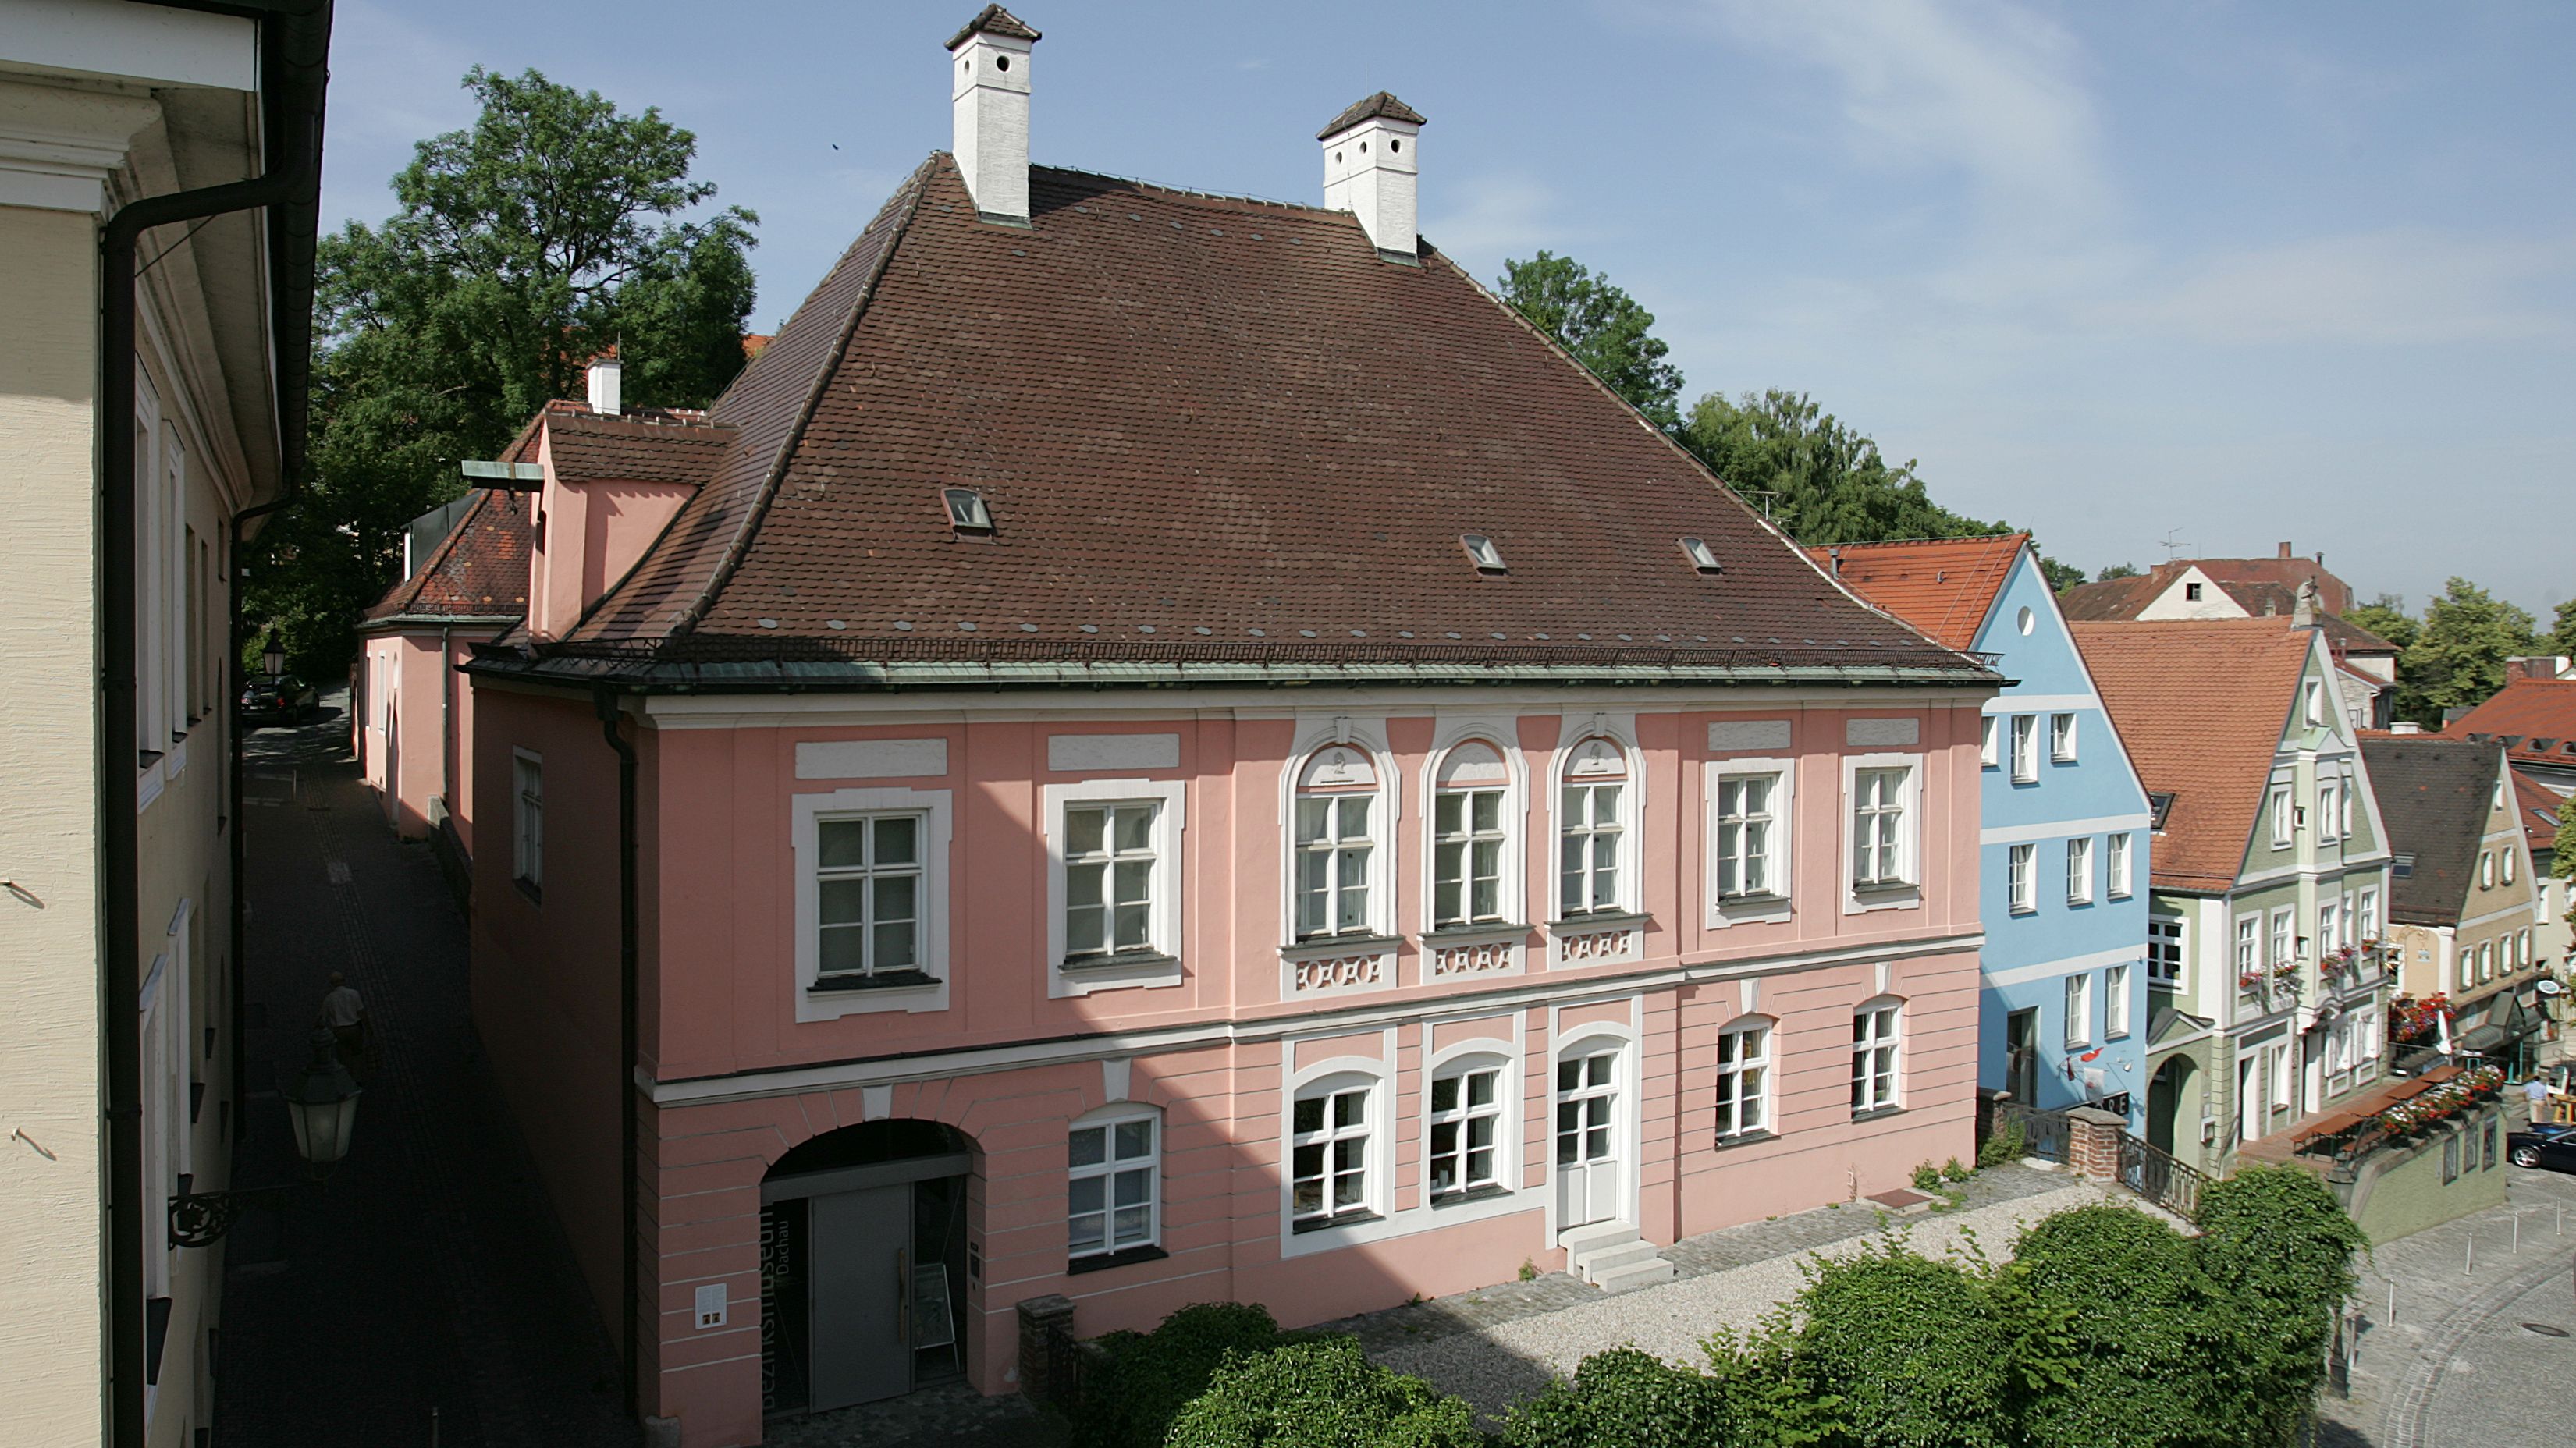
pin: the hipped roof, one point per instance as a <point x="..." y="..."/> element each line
<point x="1942" y="586"/>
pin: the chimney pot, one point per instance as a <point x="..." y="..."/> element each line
<point x="988" y="100"/>
<point x="1371" y="170"/>
<point x="607" y="385"/>
<point x="2285" y="551"/>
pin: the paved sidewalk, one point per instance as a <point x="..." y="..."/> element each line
<point x="428" y="1275"/>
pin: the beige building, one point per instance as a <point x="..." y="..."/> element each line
<point x="137" y="440"/>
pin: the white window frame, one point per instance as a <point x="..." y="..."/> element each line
<point x="2312" y="703"/>
<point x="806" y="812"/>
<point x="1878" y="1087"/>
<point x="2328" y="812"/>
<point x="868" y="873"/>
<point x="2061" y="737"/>
<point x="2486" y="869"/>
<point x="2176" y="978"/>
<point x="2079" y="1010"/>
<point x="1511" y="891"/>
<point x="2505" y="870"/>
<point x="2284" y="937"/>
<point x="2329" y="926"/>
<point x="2021" y="879"/>
<point x="2249" y="947"/>
<point x="2025" y="748"/>
<point x="2115" y="1003"/>
<point x="1503" y="1111"/>
<point x="2117" y="883"/>
<point x="1989" y="745"/>
<point x="1628" y="855"/>
<point x="1724" y="910"/>
<point x="1106" y="1120"/>
<point x="1734" y="1063"/>
<point x="2344" y="820"/>
<point x="1368" y="1081"/>
<point x="1162" y="966"/>
<point x="1376" y="915"/>
<point x="528" y="820"/>
<point x="2367" y="903"/>
<point x="1907" y="891"/>
<point x="2283" y="824"/>
<point x="2079" y="870"/>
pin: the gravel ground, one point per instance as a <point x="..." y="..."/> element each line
<point x="1497" y="1366"/>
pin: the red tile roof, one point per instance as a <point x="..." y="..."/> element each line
<point x="1208" y="429"/>
<point x="2536" y="719"/>
<point x="478" y="571"/>
<point x="1942" y="586"/>
<point x="2260" y="586"/>
<point x="2201" y="704"/>
<point x="2536" y="808"/>
<point x="660" y="447"/>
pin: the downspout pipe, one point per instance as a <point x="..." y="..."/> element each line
<point x="294" y="42"/>
<point x="604" y="702"/>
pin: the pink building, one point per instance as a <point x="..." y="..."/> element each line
<point x="1175" y="749"/>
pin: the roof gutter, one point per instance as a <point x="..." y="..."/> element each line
<point x="294" y="49"/>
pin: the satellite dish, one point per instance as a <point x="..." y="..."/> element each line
<point x="2550" y="988"/>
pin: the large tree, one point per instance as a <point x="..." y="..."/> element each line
<point x="2457" y="659"/>
<point x="1821" y="480"/>
<point x="2387" y="617"/>
<point x="2562" y="634"/>
<point x="554" y="228"/>
<point x="1602" y="326"/>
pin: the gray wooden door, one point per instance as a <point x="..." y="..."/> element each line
<point x="861" y="1251"/>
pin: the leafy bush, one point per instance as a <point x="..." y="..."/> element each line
<point x="1146" y="1379"/>
<point x="1913" y="1347"/>
<point x="1620" y="1398"/>
<point x="2010" y="1142"/>
<point x="2117" y="1339"/>
<point x="1927" y="1178"/>
<point x="1951" y="1170"/>
<point x="2283" y="1248"/>
<point x="1321" y="1393"/>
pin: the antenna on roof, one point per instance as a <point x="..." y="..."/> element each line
<point x="1765" y="494"/>
<point x="2171" y="547"/>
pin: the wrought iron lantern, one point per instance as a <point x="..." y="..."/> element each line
<point x="273" y="656"/>
<point x="322" y="1106"/>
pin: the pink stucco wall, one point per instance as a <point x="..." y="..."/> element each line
<point x="744" y="1080"/>
<point x="400" y="731"/>
<point x="589" y="534"/>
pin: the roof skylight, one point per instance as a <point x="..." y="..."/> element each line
<point x="1701" y="556"/>
<point x="966" y="511"/>
<point x="1482" y="552"/>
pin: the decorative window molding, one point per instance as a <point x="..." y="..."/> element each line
<point x="1752" y="845"/>
<point x="1598" y="784"/>
<point x="1471" y="1123"/>
<point x="1877" y="1078"/>
<point x="1157" y="961"/>
<point x="1883" y="824"/>
<point x="2329" y="813"/>
<point x="1101" y="753"/>
<point x="819" y="995"/>
<point x="1473" y="867"/>
<point x="2283" y="819"/>
<point x="1336" y="857"/>
<point x="872" y="759"/>
<point x="1337" y="1149"/>
<point x="1114" y="1182"/>
<point x="1744" y="1084"/>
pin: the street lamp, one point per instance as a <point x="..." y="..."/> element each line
<point x="273" y="657"/>
<point x="322" y="1106"/>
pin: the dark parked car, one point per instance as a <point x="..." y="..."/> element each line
<point x="284" y="699"/>
<point x="2549" y="1144"/>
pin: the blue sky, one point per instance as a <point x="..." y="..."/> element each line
<point x="2229" y="273"/>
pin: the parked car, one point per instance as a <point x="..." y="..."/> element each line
<point x="2551" y="1145"/>
<point x="281" y="699"/>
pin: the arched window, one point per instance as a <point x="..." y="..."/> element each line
<point x="1114" y="1181"/>
<point x="1336" y="849"/>
<point x="1333" y="1151"/>
<point x="1596" y="804"/>
<point x="1876" y="1028"/>
<point x="1744" y="1078"/>
<point x="1470" y="838"/>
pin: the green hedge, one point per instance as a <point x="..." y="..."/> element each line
<point x="1130" y="1398"/>
<point x="1322" y="1393"/>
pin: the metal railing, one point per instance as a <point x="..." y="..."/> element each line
<point x="2159" y="1178"/>
<point x="2044" y="1134"/>
<point x="1068" y="1360"/>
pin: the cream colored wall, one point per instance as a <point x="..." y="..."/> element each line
<point x="50" y="1168"/>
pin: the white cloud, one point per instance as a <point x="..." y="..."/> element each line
<point x="1491" y="216"/>
<point x="2385" y="288"/>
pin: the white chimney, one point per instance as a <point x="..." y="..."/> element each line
<point x="989" y="101"/>
<point x="606" y="383"/>
<point x="1369" y="169"/>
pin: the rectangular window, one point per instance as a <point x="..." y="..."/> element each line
<point x="2061" y="738"/>
<point x="1874" y="1042"/>
<point x="2506" y="868"/>
<point x="1109" y="869"/>
<point x="2486" y="869"/>
<point x="2079" y="871"/>
<point x="1334" y="849"/>
<point x="2284" y="937"/>
<point x="2328" y="813"/>
<point x="528" y="821"/>
<point x="1466" y="1131"/>
<point x="2280" y="1078"/>
<point x="2249" y="961"/>
<point x="1744" y="1080"/>
<point x="1588" y="839"/>
<point x="1329" y="1157"/>
<point x="2079" y="1010"/>
<point x="2117" y="868"/>
<point x="2369" y="915"/>
<point x="2329" y="921"/>
<point x="2164" y="951"/>
<point x="2025" y="748"/>
<point x="868" y="893"/>
<point x="2281" y="818"/>
<point x="1747" y="830"/>
<point x="195" y="624"/>
<point x="1986" y="742"/>
<point x="2345" y="820"/>
<point x="2021" y="878"/>
<point x="1878" y="827"/>
<point x="2312" y="703"/>
<point x="1113" y="1187"/>
<point x="2115" y="1002"/>
<point x="1466" y="857"/>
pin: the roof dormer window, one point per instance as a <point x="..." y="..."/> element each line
<point x="1700" y="555"/>
<point x="966" y="511"/>
<point x="1482" y="552"/>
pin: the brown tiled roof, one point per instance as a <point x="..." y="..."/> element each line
<point x="2115" y="598"/>
<point x="634" y="447"/>
<point x="2434" y="794"/>
<point x="2200" y="703"/>
<point x="2257" y="585"/>
<point x="1208" y="429"/>
<point x="2536" y="719"/>
<point x="478" y="571"/>
<point x="995" y="20"/>
<point x="2536" y="808"/>
<point x="1942" y="586"/>
<point x="1380" y="104"/>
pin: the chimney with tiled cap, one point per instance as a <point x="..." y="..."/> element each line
<point x="607" y="384"/>
<point x="989" y="99"/>
<point x="1369" y="169"/>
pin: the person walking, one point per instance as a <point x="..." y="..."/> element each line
<point x="2536" y="1090"/>
<point x="346" y="1014"/>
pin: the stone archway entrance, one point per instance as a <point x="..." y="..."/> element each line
<point x="2173" y="1106"/>
<point x="863" y="1263"/>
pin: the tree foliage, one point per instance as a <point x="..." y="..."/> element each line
<point x="550" y="230"/>
<point x="2283" y="1246"/>
<point x="1321" y="1393"/>
<point x="1913" y="1347"/>
<point x="2456" y="660"/>
<point x="2118" y="570"/>
<point x="1822" y="481"/>
<point x="2140" y="1320"/>
<point x="2387" y="617"/>
<point x="1146" y="1379"/>
<point x="2562" y="633"/>
<point x="1604" y="327"/>
<point x="2562" y="859"/>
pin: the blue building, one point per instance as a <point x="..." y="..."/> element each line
<point x="2062" y="1020"/>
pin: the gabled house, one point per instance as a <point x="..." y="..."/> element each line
<point x="2270" y="878"/>
<point x="1163" y="747"/>
<point x="2535" y="720"/>
<point x="2463" y="902"/>
<point x="2065" y="847"/>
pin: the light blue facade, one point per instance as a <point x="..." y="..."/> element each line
<point x="2035" y="945"/>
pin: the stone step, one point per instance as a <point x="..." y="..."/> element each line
<point x="1592" y="1265"/>
<point x="1599" y="1234"/>
<point x="1635" y="1275"/>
